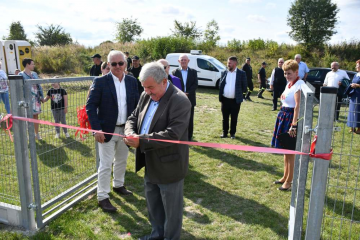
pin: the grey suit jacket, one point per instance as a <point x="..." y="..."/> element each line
<point x="164" y="162"/>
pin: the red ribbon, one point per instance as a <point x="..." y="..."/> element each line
<point x="9" y="122"/>
<point x="83" y="121"/>
<point x="326" y="156"/>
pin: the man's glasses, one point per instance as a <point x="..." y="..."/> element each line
<point x="115" y="63"/>
<point x="165" y="67"/>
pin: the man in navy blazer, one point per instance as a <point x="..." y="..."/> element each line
<point x="233" y="84"/>
<point x="112" y="99"/>
<point x="189" y="82"/>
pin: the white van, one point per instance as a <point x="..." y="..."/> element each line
<point x="12" y="53"/>
<point x="209" y="69"/>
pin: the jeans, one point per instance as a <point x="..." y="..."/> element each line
<point x="4" y="96"/>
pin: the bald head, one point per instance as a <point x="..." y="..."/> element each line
<point x="166" y="65"/>
<point x="335" y="66"/>
<point x="184" y="61"/>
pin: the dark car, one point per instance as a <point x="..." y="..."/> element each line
<point x="316" y="77"/>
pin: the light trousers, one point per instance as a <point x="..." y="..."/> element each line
<point x="115" y="151"/>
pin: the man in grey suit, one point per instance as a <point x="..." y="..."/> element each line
<point x="163" y="112"/>
<point x="189" y="82"/>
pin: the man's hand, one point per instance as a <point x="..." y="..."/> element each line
<point x="99" y="137"/>
<point x="339" y="83"/>
<point x="65" y="110"/>
<point x="271" y="87"/>
<point x="132" y="140"/>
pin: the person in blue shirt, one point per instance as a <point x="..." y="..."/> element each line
<point x="303" y="68"/>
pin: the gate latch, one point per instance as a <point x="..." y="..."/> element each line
<point x="23" y="104"/>
<point x="337" y="129"/>
<point x="307" y="129"/>
<point x="32" y="206"/>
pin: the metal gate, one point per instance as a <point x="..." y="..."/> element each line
<point x="63" y="169"/>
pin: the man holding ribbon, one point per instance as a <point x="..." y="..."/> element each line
<point x="163" y="113"/>
<point x="112" y="99"/>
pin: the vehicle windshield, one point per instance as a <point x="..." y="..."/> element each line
<point x="217" y="63"/>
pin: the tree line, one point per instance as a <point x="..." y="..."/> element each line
<point x="312" y="24"/>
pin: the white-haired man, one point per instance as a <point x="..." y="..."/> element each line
<point x="112" y="99"/>
<point x="162" y="113"/>
<point x="303" y="68"/>
<point x="334" y="79"/>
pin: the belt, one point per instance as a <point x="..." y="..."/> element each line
<point x="122" y="125"/>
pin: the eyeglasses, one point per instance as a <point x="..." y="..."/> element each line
<point x="281" y="62"/>
<point x="165" y="67"/>
<point x="115" y="63"/>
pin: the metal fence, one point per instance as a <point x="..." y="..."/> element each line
<point x="341" y="219"/>
<point x="50" y="174"/>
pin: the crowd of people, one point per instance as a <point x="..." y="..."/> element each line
<point x="147" y="102"/>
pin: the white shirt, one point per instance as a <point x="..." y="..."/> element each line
<point x="121" y="99"/>
<point x="332" y="79"/>
<point x="272" y="78"/>
<point x="303" y="69"/>
<point x="229" y="89"/>
<point x="288" y="96"/>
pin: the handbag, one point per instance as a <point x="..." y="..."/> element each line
<point x="286" y="141"/>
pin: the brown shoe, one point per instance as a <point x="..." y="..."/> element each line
<point x="122" y="190"/>
<point x="107" y="206"/>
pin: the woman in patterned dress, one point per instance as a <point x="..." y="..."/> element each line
<point x="287" y="119"/>
<point x="354" y="107"/>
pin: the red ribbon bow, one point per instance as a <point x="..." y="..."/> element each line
<point x="83" y="121"/>
<point x="325" y="156"/>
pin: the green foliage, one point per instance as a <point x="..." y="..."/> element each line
<point x="16" y="32"/>
<point x="235" y="45"/>
<point x="186" y="30"/>
<point x="211" y="33"/>
<point x="312" y="22"/>
<point x="127" y="30"/>
<point x="156" y="48"/>
<point x="52" y="35"/>
<point x="256" y="44"/>
<point x="271" y="47"/>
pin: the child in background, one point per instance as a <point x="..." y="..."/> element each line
<point x="4" y="90"/>
<point x="59" y="104"/>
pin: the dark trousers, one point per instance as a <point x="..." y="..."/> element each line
<point x="229" y="107"/>
<point x="191" y="124"/>
<point x="250" y="85"/>
<point x="337" y="107"/>
<point x="165" y="207"/>
<point x="276" y="95"/>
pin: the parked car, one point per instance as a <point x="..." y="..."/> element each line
<point x="209" y="69"/>
<point x="316" y="77"/>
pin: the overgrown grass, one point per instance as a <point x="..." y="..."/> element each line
<point x="228" y="194"/>
<point x="75" y="58"/>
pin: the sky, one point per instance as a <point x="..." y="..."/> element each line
<point x="93" y="21"/>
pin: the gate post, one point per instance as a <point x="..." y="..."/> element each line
<point x="320" y="170"/>
<point x="18" y="106"/>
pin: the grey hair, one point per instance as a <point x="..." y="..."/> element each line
<point x="154" y="70"/>
<point x="336" y="63"/>
<point x="280" y="59"/>
<point x="297" y="56"/>
<point x="115" y="52"/>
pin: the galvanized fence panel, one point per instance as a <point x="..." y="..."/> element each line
<point x="64" y="168"/>
<point x="341" y="219"/>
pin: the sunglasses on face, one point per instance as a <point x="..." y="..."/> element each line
<point x="116" y="63"/>
<point x="165" y="67"/>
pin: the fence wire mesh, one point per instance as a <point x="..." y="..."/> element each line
<point x="342" y="203"/>
<point x="63" y="160"/>
<point x="9" y="187"/>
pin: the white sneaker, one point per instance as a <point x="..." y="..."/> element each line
<point x="57" y="135"/>
<point x="67" y="135"/>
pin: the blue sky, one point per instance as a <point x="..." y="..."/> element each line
<point x="92" y="22"/>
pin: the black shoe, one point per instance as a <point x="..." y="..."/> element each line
<point x="232" y="136"/>
<point x="223" y="136"/>
<point x="148" y="237"/>
<point x="122" y="191"/>
<point x="284" y="189"/>
<point x="273" y="109"/>
<point x="278" y="182"/>
<point x="106" y="205"/>
<point x="248" y="99"/>
<point x="260" y="97"/>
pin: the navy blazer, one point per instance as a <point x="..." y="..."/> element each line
<point x="191" y="83"/>
<point x="240" y="85"/>
<point x="102" y="105"/>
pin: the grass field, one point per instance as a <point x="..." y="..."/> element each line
<point x="228" y="194"/>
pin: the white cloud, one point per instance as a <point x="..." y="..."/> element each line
<point x="170" y="10"/>
<point x="244" y="1"/>
<point x="348" y="3"/>
<point x="256" y="18"/>
<point x="270" y="5"/>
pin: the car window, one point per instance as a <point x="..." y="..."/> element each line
<point x="206" y="65"/>
<point x="314" y="73"/>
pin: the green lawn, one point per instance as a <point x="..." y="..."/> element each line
<point x="228" y="194"/>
